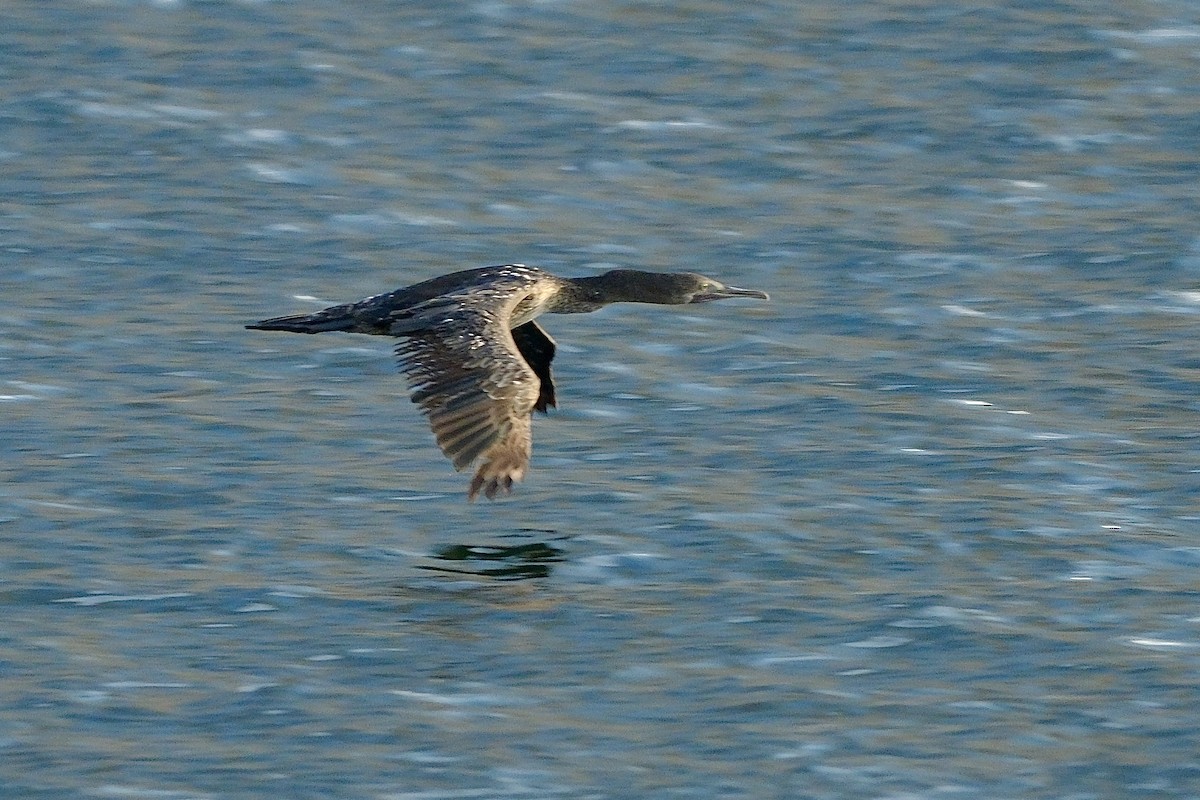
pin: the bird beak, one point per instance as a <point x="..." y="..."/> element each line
<point x="729" y="291"/>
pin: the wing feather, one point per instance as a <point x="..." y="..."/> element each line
<point x="470" y="379"/>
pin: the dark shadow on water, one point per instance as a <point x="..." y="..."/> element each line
<point x="504" y="562"/>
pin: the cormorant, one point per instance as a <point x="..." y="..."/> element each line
<point x="477" y="363"/>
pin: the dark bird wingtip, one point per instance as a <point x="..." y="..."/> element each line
<point x="490" y="486"/>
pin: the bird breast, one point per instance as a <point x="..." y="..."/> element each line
<point x="529" y="308"/>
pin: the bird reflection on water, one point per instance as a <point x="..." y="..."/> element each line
<point x="514" y="562"/>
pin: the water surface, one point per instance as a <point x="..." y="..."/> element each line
<point x="923" y="526"/>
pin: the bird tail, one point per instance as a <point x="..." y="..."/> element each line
<point x="337" y="318"/>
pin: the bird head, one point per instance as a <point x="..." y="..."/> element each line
<point x="705" y="290"/>
<point x="665" y="288"/>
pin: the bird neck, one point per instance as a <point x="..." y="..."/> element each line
<point x="580" y="295"/>
<point x="597" y="291"/>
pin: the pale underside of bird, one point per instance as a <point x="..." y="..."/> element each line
<point x="477" y="363"/>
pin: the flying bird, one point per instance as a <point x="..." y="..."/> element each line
<point x="477" y="363"/>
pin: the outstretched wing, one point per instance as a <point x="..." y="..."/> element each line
<point x="470" y="379"/>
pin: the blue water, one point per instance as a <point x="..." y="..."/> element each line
<point x="923" y="526"/>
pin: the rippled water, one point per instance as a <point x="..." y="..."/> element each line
<point x="925" y="525"/>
